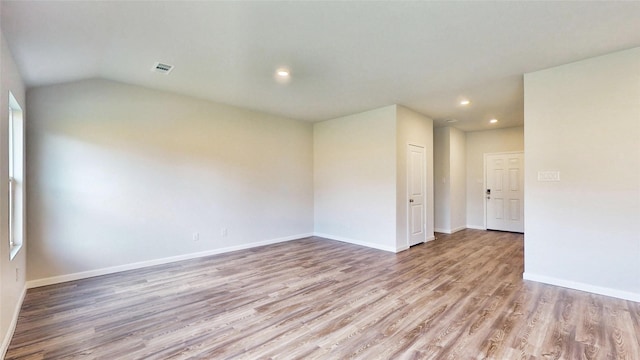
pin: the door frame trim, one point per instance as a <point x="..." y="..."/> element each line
<point x="484" y="179"/>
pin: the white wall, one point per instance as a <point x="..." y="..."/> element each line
<point x="123" y="175"/>
<point x="442" y="180"/>
<point x="355" y="178"/>
<point x="416" y="129"/>
<point x="458" y="186"/>
<point x="450" y="179"/>
<point x="11" y="288"/>
<point x="583" y="120"/>
<point x="479" y="143"/>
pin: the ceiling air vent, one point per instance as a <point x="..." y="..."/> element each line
<point x="162" y="68"/>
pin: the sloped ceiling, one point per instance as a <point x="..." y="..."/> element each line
<point x="344" y="57"/>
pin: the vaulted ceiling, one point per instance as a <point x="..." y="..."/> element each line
<point x="344" y="57"/>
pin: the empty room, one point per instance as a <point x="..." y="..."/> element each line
<point x="319" y="180"/>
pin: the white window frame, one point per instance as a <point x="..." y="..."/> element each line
<point x="15" y="187"/>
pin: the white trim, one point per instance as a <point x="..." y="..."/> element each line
<point x="620" y="294"/>
<point x="358" y="242"/>
<point x="476" y="227"/>
<point x="143" y="264"/>
<point x="451" y="231"/>
<point x="12" y="326"/>
<point x="405" y="247"/>
<point x="459" y="228"/>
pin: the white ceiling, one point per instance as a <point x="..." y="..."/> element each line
<point x="345" y="57"/>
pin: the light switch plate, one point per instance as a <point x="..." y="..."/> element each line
<point x="548" y="175"/>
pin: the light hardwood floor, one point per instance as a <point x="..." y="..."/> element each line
<point x="459" y="297"/>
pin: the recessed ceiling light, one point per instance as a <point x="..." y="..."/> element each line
<point x="282" y="72"/>
<point x="493" y="121"/>
<point x="451" y="120"/>
<point x="282" y="75"/>
<point x="465" y="102"/>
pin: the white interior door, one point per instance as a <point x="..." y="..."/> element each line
<point x="416" y="194"/>
<point x="504" y="191"/>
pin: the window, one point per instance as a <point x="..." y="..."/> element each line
<point x="16" y="175"/>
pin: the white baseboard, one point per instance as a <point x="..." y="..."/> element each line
<point x="460" y="228"/>
<point x="620" y="294"/>
<point x="357" y="242"/>
<point x="12" y="326"/>
<point x="476" y="227"/>
<point x="143" y="264"/>
<point x="450" y="231"/>
<point x="402" y="248"/>
<point x="406" y="247"/>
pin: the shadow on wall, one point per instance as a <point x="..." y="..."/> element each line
<point x="114" y="168"/>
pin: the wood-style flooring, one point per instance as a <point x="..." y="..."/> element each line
<point x="459" y="297"/>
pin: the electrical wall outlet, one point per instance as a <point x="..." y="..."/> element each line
<point x="196" y="236"/>
<point x="224" y="232"/>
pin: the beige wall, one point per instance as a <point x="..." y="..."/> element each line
<point x="416" y="129"/>
<point x="458" y="180"/>
<point x="449" y="172"/>
<point x="360" y="176"/>
<point x="583" y="120"/>
<point x="125" y="175"/>
<point x="479" y="143"/>
<point x="355" y="178"/>
<point x="11" y="288"/>
<point x="442" y="183"/>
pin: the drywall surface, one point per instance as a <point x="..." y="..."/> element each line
<point x="450" y="179"/>
<point x="442" y="179"/>
<point x="123" y="174"/>
<point x="582" y="122"/>
<point x="479" y="143"/>
<point x="415" y="129"/>
<point x="355" y="178"/>
<point x="12" y="272"/>
<point x="458" y="185"/>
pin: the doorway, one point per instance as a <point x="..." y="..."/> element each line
<point x="416" y="195"/>
<point x="504" y="191"/>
